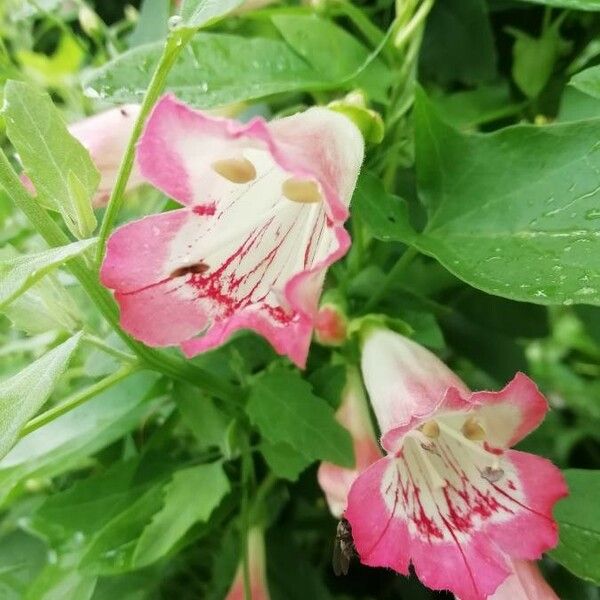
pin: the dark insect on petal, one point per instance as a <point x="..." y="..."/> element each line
<point x="343" y="548"/>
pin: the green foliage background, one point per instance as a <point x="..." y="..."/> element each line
<point x="476" y="226"/>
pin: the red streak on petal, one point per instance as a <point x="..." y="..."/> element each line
<point x="493" y="450"/>
<point x="207" y="210"/>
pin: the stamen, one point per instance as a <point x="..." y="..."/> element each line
<point x="236" y="170"/>
<point x="473" y="430"/>
<point x="430" y="447"/>
<point x="492" y="474"/>
<point x="301" y="190"/>
<point x="434" y="477"/>
<point x="431" y="429"/>
<point x="461" y="439"/>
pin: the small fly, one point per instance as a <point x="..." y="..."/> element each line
<point x="343" y="548"/>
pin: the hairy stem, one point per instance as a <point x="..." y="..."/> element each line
<point x="77" y="399"/>
<point x="173" y="47"/>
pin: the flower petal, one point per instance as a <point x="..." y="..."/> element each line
<point x="510" y="414"/>
<point x="380" y="537"/>
<point x="139" y="253"/>
<point x="406" y="383"/>
<point x="180" y="145"/>
<point x="525" y="583"/>
<point x="256" y="569"/>
<point x="455" y="510"/>
<point x="542" y="485"/>
<point x="264" y="222"/>
<point x="353" y="414"/>
<point x="105" y="137"/>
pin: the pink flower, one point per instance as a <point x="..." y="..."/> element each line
<point x="331" y="326"/>
<point x="105" y="137"/>
<point x="450" y="496"/>
<point x="353" y="414"/>
<point x="264" y="207"/>
<point x="256" y="564"/>
<point x="524" y="583"/>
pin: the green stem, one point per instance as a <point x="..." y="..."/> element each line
<point x="77" y="399"/>
<point x="395" y="272"/>
<point x="247" y="475"/>
<point x="173" y="47"/>
<point x="263" y="490"/>
<point x="108" y="349"/>
<point x="54" y="236"/>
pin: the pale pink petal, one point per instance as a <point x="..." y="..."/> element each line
<point x="510" y="414"/>
<point x="459" y="510"/>
<point x="405" y="381"/>
<point x="246" y="254"/>
<point x="256" y="563"/>
<point x="105" y="137"/>
<point x="353" y="414"/>
<point x="524" y="583"/>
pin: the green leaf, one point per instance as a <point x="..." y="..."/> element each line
<point x="111" y="548"/>
<point x="18" y="273"/>
<point x="202" y="13"/>
<point x="578" y="518"/>
<point x="513" y="213"/>
<point x="61" y="580"/>
<point x="317" y="40"/>
<point x="58" y="165"/>
<point x="588" y="81"/>
<point x="21" y="557"/>
<point x="69" y="440"/>
<point x="591" y="5"/>
<point x="213" y="70"/>
<point x="534" y="59"/>
<point x="328" y="382"/>
<point x="88" y="506"/>
<point x="23" y="395"/>
<point x="385" y="215"/>
<point x="284" y="408"/>
<point x="152" y="23"/>
<point x="190" y="497"/>
<point x="458" y="44"/>
<point x="202" y="416"/>
<point x="470" y="108"/>
<point x="284" y="461"/>
<point x="216" y="69"/>
<point x="55" y="70"/>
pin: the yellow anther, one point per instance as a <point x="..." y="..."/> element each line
<point x="301" y="190"/>
<point x="473" y="430"/>
<point x="431" y="429"/>
<point x="236" y="170"/>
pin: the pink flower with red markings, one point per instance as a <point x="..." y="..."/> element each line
<point x="256" y="566"/>
<point x="450" y="497"/>
<point x="524" y="583"/>
<point x="353" y="414"/>
<point x="264" y="207"/>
